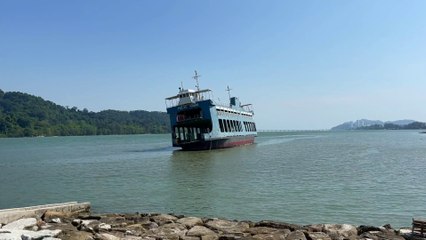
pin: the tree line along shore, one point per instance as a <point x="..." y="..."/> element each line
<point x="25" y="115"/>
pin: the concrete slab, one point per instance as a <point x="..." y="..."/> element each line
<point x="13" y="214"/>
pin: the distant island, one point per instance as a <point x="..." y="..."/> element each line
<point x="25" y="115"/>
<point x="365" y="124"/>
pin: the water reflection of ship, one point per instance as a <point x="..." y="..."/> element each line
<point x="192" y="182"/>
<point x="198" y="123"/>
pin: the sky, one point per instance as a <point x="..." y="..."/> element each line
<point x="302" y="64"/>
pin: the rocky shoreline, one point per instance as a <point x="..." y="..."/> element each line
<point x="53" y="225"/>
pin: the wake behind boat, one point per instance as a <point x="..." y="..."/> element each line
<point x="198" y="123"/>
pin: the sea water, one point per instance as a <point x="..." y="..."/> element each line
<point x="356" y="177"/>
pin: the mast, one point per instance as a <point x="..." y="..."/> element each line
<point x="228" y="89"/>
<point x="196" y="76"/>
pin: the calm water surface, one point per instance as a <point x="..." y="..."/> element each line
<point x="371" y="177"/>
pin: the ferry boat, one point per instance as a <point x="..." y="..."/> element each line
<point x="198" y="123"/>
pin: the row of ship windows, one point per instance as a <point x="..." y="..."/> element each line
<point x="222" y="111"/>
<point x="236" y="126"/>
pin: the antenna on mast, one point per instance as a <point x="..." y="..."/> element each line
<point x="196" y="76"/>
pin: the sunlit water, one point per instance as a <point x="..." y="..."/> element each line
<point x="365" y="177"/>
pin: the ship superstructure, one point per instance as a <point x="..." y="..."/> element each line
<point x="198" y="123"/>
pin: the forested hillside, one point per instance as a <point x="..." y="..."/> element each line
<point x="24" y="115"/>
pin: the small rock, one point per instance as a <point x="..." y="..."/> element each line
<point x="405" y="231"/>
<point x="87" y="222"/>
<point x="55" y="220"/>
<point x="90" y="217"/>
<point x="89" y="225"/>
<point x="104" y="226"/>
<point x="20" y="224"/>
<point x="76" y="222"/>
<point x="362" y="229"/>
<point x="387" y="226"/>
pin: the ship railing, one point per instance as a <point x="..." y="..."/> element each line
<point x="193" y="97"/>
<point x="243" y="110"/>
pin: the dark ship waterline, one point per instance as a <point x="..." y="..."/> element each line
<point x="198" y="123"/>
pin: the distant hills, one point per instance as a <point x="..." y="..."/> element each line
<point x="25" y="115"/>
<point x="365" y="124"/>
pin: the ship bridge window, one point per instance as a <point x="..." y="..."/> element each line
<point x="189" y="115"/>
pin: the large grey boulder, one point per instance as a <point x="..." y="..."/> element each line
<point x="278" y="225"/>
<point x="171" y="231"/>
<point x="228" y="227"/>
<point x="199" y="231"/>
<point x="317" y="236"/>
<point x="20" y="224"/>
<point x="209" y="237"/>
<point x="29" y="235"/>
<point x="381" y="235"/>
<point x="296" y="235"/>
<point x="280" y="234"/>
<point x="340" y="231"/>
<point x="162" y="219"/>
<point x="364" y="228"/>
<point x="261" y="230"/>
<point x="190" y="221"/>
<point x="106" y="236"/>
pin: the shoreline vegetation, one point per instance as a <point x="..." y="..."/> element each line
<point x="25" y="115"/>
<point x="53" y="225"/>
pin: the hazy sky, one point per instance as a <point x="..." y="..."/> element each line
<point x="303" y="64"/>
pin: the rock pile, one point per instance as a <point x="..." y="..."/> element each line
<point x="59" y="225"/>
